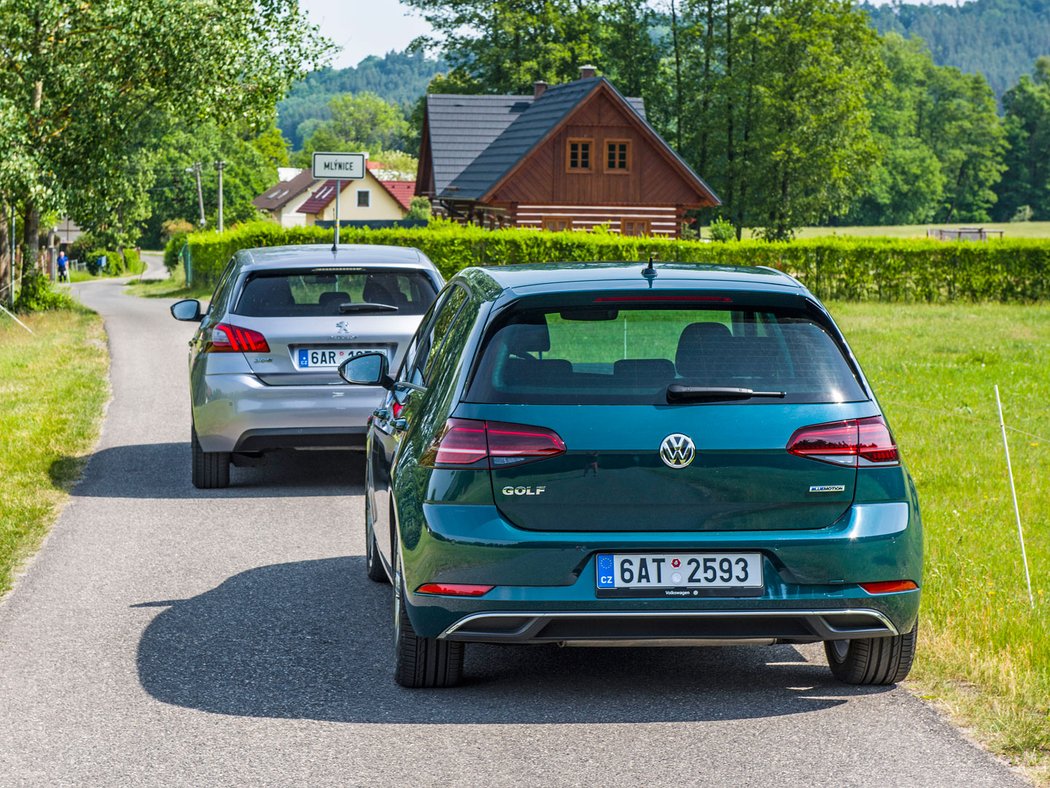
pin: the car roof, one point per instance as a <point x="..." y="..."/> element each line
<point x="315" y="255"/>
<point x="523" y="279"/>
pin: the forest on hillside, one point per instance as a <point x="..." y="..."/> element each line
<point x="998" y="38"/>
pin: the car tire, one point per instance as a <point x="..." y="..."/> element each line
<point x="421" y="662"/>
<point x="871" y="661"/>
<point x="211" y="469"/>
<point x="373" y="563"/>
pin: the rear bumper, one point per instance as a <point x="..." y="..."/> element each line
<point x="545" y="583"/>
<point x="671" y="627"/>
<point x="238" y="412"/>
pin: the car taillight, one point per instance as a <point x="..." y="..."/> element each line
<point x="234" y="339"/>
<point x="854" y="443"/>
<point x="468" y="443"/>
<point x="889" y="586"/>
<point x="454" y="589"/>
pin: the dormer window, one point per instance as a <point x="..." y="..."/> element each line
<point x="578" y="155"/>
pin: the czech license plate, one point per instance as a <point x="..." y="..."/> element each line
<point x="328" y="357"/>
<point x="679" y="574"/>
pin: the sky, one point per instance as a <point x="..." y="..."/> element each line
<point x="364" y="27"/>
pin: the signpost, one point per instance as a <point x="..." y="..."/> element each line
<point x="341" y="167"/>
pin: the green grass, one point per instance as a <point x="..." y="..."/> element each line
<point x="984" y="652"/>
<point x="1010" y="230"/>
<point x="53" y="384"/>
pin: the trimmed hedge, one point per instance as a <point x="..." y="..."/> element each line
<point x="869" y="269"/>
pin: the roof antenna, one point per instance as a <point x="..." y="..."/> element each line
<point x="649" y="272"/>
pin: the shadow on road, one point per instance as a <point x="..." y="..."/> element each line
<point x="312" y="640"/>
<point x="162" y="470"/>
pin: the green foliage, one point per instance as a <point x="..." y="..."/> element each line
<point x="941" y="141"/>
<point x="88" y="86"/>
<point x="722" y="230"/>
<point x="997" y="38"/>
<point x="398" y="77"/>
<point x="249" y="171"/>
<point x="37" y="295"/>
<point x="1026" y="183"/>
<point x="849" y="269"/>
<point x="361" y="122"/>
<point x="506" y="46"/>
<point x="172" y="250"/>
<point x="419" y="208"/>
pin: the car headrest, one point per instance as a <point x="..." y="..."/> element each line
<point x="378" y="292"/>
<point x="330" y="302"/>
<point x="699" y="342"/>
<point x="528" y="337"/>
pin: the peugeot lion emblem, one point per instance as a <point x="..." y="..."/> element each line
<point x="677" y="450"/>
<point x="342" y="327"/>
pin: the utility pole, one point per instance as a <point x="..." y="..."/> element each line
<point x="196" y="170"/>
<point x="220" y="165"/>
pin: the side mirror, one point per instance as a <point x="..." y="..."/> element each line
<point x="188" y="309"/>
<point x="368" y="369"/>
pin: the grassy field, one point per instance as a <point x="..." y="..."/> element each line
<point x="53" y="384"/>
<point x="1010" y="230"/>
<point x="984" y="652"/>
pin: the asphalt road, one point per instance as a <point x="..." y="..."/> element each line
<point x="169" y="636"/>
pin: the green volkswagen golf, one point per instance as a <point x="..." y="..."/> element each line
<point x="661" y="455"/>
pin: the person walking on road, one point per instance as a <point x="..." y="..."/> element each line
<point x="63" y="264"/>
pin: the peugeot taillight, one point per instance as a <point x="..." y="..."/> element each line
<point x="853" y="442"/>
<point x="226" y="338"/>
<point x="469" y="443"/>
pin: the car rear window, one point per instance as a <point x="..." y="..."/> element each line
<point x="321" y="293"/>
<point x="630" y="355"/>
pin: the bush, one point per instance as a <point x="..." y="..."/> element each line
<point x="37" y="295"/>
<point x="864" y="269"/>
<point x="722" y="230"/>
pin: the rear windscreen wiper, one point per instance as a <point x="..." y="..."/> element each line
<point x="346" y="309"/>
<point x="678" y="392"/>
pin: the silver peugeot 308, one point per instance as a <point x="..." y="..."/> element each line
<point x="263" y="364"/>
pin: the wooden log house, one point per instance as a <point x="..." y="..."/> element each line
<point x="569" y="157"/>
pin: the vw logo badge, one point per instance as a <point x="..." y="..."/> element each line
<point x="677" y="450"/>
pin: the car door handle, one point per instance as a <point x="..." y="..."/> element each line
<point x="400" y="424"/>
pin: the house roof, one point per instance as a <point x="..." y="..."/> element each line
<point x="402" y="191"/>
<point x="461" y="127"/>
<point x="282" y="193"/>
<point x="535" y="124"/>
<point x="319" y="199"/>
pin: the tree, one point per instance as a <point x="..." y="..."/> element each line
<point x="87" y="84"/>
<point x="1026" y="181"/>
<point x="959" y="122"/>
<point x="358" y="122"/>
<point x="907" y="185"/>
<point x="775" y="111"/>
<point x="507" y="45"/>
<point x="248" y="172"/>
